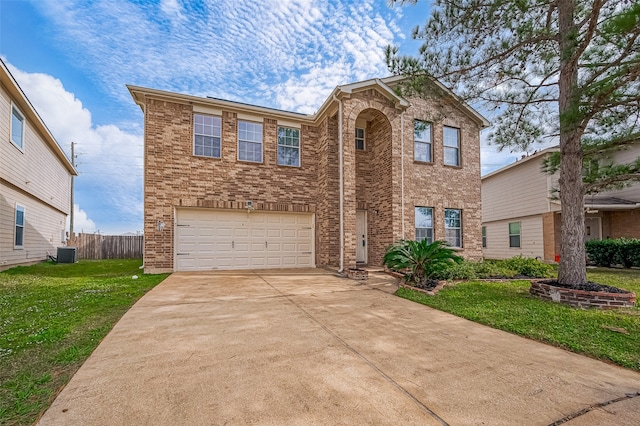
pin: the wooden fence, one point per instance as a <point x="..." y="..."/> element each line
<point x="95" y="246"/>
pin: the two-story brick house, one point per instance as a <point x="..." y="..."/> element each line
<point x="235" y="186"/>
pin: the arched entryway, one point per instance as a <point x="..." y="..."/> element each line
<point x="373" y="158"/>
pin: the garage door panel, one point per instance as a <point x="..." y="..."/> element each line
<point x="227" y="239"/>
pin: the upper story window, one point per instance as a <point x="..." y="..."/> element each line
<point x="451" y="146"/>
<point x="360" y="139"/>
<point x="250" y="141"/>
<point x="422" y="146"/>
<point x="19" y="228"/>
<point x="514" y="234"/>
<point x="453" y="227"/>
<point x="288" y="146"/>
<point x="17" y="127"/>
<point x="207" y="135"/>
<point x="424" y="224"/>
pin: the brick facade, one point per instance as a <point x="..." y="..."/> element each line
<point x="376" y="179"/>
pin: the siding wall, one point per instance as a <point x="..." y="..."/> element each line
<point x="36" y="169"/>
<point x="43" y="229"/>
<point x="520" y="191"/>
<point x="531" y="243"/>
<point x="36" y="179"/>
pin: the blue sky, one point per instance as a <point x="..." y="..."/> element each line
<point x="73" y="59"/>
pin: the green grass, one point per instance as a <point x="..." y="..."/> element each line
<point x="52" y="316"/>
<point x="508" y="306"/>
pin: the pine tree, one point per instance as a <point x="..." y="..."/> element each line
<point x="564" y="69"/>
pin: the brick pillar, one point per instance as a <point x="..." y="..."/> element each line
<point x="349" y="180"/>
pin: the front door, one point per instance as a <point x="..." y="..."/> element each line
<point x="592" y="228"/>
<point x="361" y="236"/>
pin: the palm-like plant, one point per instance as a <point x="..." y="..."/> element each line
<point x="420" y="258"/>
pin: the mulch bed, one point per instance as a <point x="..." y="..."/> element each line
<point x="589" y="286"/>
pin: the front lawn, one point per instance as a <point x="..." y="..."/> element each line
<point x="612" y="335"/>
<point x="52" y="316"/>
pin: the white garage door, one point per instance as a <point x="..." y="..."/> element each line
<point x="234" y="239"/>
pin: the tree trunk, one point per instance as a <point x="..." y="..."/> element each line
<point x="572" y="269"/>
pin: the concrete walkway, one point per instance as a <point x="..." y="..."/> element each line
<point x="306" y="347"/>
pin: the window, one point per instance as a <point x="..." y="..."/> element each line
<point x="360" y="139"/>
<point x="250" y="141"/>
<point x="19" y="234"/>
<point x="451" y="146"/>
<point x="422" y="141"/>
<point x="207" y="131"/>
<point x="453" y="227"/>
<point x="17" y="127"/>
<point x="424" y="224"/>
<point x="484" y="237"/>
<point x="288" y="146"/>
<point x="514" y="234"/>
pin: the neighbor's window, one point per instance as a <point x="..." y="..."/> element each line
<point x="484" y="237"/>
<point x="19" y="234"/>
<point x="451" y="146"/>
<point x="514" y="234"/>
<point x="422" y="141"/>
<point x="207" y="135"/>
<point x="250" y="141"/>
<point x="359" y="138"/>
<point x="453" y="227"/>
<point x="424" y="224"/>
<point x="17" y="127"/>
<point x="288" y="146"/>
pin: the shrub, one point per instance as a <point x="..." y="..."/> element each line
<point x="421" y="258"/>
<point x="602" y="252"/>
<point x="529" y="267"/>
<point x="494" y="269"/>
<point x="622" y="251"/>
<point x="456" y="271"/>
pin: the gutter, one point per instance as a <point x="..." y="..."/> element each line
<point x="340" y="168"/>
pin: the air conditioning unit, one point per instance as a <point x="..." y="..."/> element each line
<point x="66" y="255"/>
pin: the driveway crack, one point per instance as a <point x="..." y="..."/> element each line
<point x="593" y="407"/>
<point x="359" y="355"/>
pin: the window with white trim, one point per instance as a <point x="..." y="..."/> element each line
<point x="422" y="146"/>
<point x="451" y="146"/>
<point x="288" y="146"/>
<point x="424" y="224"/>
<point x="514" y="234"/>
<point x="453" y="227"/>
<point x="360" y="139"/>
<point x="19" y="227"/>
<point x="250" y="141"/>
<point x="207" y="135"/>
<point x="17" y="127"/>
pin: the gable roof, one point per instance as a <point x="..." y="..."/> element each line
<point x="521" y="161"/>
<point x="382" y="85"/>
<point x="18" y="96"/>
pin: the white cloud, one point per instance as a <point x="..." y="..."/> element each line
<point x="240" y="50"/>
<point x="81" y="221"/>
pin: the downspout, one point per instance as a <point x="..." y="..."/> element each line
<point x="340" y="169"/>
<point x="402" y="169"/>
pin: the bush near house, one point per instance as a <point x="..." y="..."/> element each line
<point x="618" y="251"/>
<point x="515" y="267"/>
<point x="420" y="259"/>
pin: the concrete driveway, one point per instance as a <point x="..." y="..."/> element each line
<point x="307" y="347"/>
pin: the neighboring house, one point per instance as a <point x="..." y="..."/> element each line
<point x="521" y="211"/>
<point x="234" y="186"/>
<point x="35" y="180"/>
